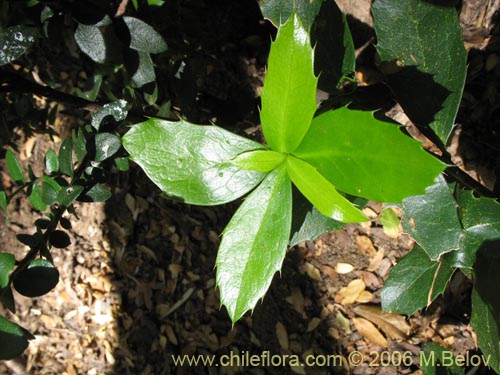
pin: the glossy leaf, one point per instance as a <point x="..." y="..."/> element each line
<point x="436" y="360"/>
<point x="13" y="340"/>
<point x="334" y="52"/>
<point x="69" y="194"/>
<point x="14" y="41"/>
<point x="98" y="193"/>
<point x="106" y="145"/>
<point x="254" y="244"/>
<point x="117" y="109"/>
<point x="66" y="157"/>
<point x="79" y="144"/>
<point x="36" y="199"/>
<point x="39" y="278"/>
<point x="50" y="190"/>
<point x="321" y="193"/>
<point x="91" y="41"/>
<point x="485" y="317"/>
<point x="51" y="162"/>
<point x="145" y="72"/>
<point x="143" y="37"/>
<point x="14" y="168"/>
<point x="279" y="11"/>
<point x="289" y="93"/>
<point x="366" y="157"/>
<point x="415" y="281"/>
<point x="192" y="162"/>
<point x="259" y="160"/>
<point x="428" y="37"/>
<point x="7" y="263"/>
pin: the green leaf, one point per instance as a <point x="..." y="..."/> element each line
<point x="91" y="41"/>
<point x="79" y="144"/>
<point x="192" y="162"/>
<point x="14" y="168"/>
<point x="156" y="3"/>
<point x="14" y="41"/>
<point x="279" y="11"/>
<point x="366" y="157"/>
<point x="36" y="199"/>
<point x="13" y="339"/>
<point x="259" y="160"/>
<point x="3" y="202"/>
<point x="51" y="162"/>
<point x="50" y="190"/>
<point x="321" y="193"/>
<point x="106" y="145"/>
<point x="7" y="300"/>
<point x="122" y="164"/>
<point x="415" y="281"/>
<point x="389" y="221"/>
<point x="334" y="52"/>
<point x="98" y="193"/>
<point x="428" y="38"/>
<point x="59" y="239"/>
<point x="307" y="222"/>
<point x="254" y="244"/>
<point x="66" y="157"/>
<point x="485" y="316"/>
<point x="39" y="278"/>
<point x="7" y="263"/>
<point x="143" y="37"/>
<point x="436" y="360"/>
<point x="117" y="109"/>
<point x="145" y="72"/>
<point x="69" y="194"/>
<point x="289" y="94"/>
<point x="93" y="91"/>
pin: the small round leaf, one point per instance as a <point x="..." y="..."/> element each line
<point x="60" y="239"/>
<point x="39" y="278"/>
<point x="7" y="262"/>
<point x="13" y="340"/>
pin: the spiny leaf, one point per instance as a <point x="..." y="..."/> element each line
<point x="254" y="243"/>
<point x="289" y="94"/>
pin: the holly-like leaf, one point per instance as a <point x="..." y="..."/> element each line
<point x="14" y="41"/>
<point x="106" y="145"/>
<point x="91" y="41"/>
<point x="192" y="162"/>
<point x="7" y="263"/>
<point x="485" y="316"/>
<point x="13" y="339"/>
<point x="415" y="281"/>
<point x="259" y="160"/>
<point x="145" y="72"/>
<point x="289" y="94"/>
<point x="279" y="11"/>
<point x="39" y="278"/>
<point x="254" y="243"/>
<point x="14" y="168"/>
<point x="366" y="157"/>
<point x="117" y="109"/>
<point x="143" y="37"/>
<point x="321" y="193"/>
<point x="428" y="37"/>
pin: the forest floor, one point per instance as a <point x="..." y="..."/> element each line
<point x="137" y="283"/>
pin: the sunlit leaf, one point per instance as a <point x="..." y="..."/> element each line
<point x="259" y="160"/>
<point x="14" y="168"/>
<point x="7" y="262"/>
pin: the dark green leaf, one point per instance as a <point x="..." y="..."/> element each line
<point x="145" y="72"/>
<point x="7" y="300"/>
<point x="50" y="189"/>
<point x="334" y="56"/>
<point x="279" y="11"/>
<point x="35" y="198"/>
<point x="143" y="37"/>
<point x="415" y="281"/>
<point x="27" y="239"/>
<point x="79" y="145"/>
<point x="122" y="164"/>
<point x="69" y="194"/>
<point x="59" y="239"/>
<point x="3" y="202"/>
<point x="289" y="94"/>
<point x="12" y="339"/>
<point x="106" y="145"/>
<point x="95" y="86"/>
<point x="366" y="157"/>
<point x="436" y="360"/>
<point x="14" y="168"/>
<point x="307" y="222"/>
<point x="42" y="223"/>
<point x="14" y="41"/>
<point x="117" y="109"/>
<point x="51" y="162"/>
<point x="66" y="157"/>
<point x="254" y="244"/>
<point x="98" y="193"/>
<point x="428" y="38"/>
<point x="192" y="162"/>
<point x="65" y="223"/>
<point x="91" y="41"/>
<point x="321" y="193"/>
<point x="485" y="317"/>
<point x="39" y="278"/>
<point x="7" y="263"/>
